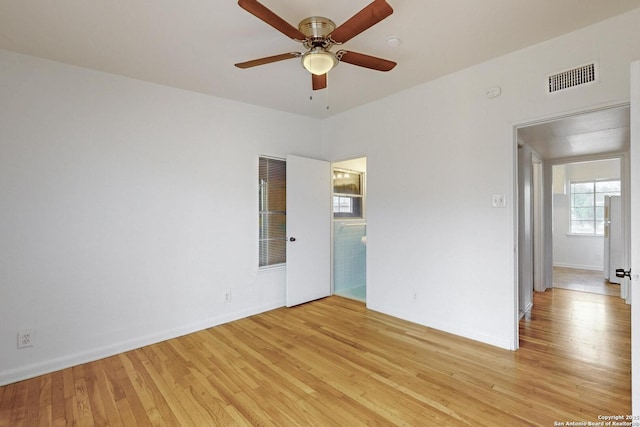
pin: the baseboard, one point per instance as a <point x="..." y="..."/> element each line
<point x="526" y="310"/>
<point x="579" y="267"/>
<point x="41" y="368"/>
<point x="451" y="329"/>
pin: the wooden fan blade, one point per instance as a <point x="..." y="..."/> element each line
<point x="268" y="60"/>
<point x="319" y="82"/>
<point x="367" y="61"/>
<point x="366" y="18"/>
<point x="263" y="13"/>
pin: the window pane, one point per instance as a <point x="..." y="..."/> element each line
<point x="582" y="199"/>
<point x="582" y="214"/>
<point x="344" y="205"/>
<point x="346" y="182"/>
<point x="347" y="207"/>
<point x="273" y="225"/>
<point x="608" y="186"/>
<point x="272" y="252"/>
<point x="582" y="187"/>
<point x="582" y="227"/>
<point x="587" y="205"/>
<point x="347" y="194"/>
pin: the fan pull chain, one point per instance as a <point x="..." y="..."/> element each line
<point x="326" y="92"/>
<point x="327" y="106"/>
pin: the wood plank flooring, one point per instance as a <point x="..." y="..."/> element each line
<point x="333" y="362"/>
<point x="584" y="281"/>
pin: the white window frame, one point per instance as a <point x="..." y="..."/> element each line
<point x="594" y="205"/>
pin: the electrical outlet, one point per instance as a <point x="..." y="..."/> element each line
<point x="227" y="296"/>
<point x="26" y="338"/>
<point x="498" y="201"/>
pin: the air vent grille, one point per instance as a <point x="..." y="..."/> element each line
<point x="574" y="77"/>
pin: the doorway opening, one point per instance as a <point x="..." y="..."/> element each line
<point x="587" y="207"/>
<point x="598" y="134"/>
<point x="349" y="229"/>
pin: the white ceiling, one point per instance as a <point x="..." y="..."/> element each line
<point x="589" y="134"/>
<point x="193" y="44"/>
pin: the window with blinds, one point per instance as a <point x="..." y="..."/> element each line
<point x="272" y="206"/>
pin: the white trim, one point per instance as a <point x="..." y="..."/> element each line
<point x="36" y="369"/>
<point x="579" y="267"/>
<point x="460" y="330"/>
<point x="265" y="268"/>
<point x="568" y="114"/>
<point x="537" y="179"/>
<point x="515" y="343"/>
<point x="634" y="234"/>
<point x="263" y="156"/>
<point x="526" y="309"/>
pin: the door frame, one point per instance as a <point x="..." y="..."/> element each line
<point x="547" y="201"/>
<point x="634" y="229"/>
<point x="537" y="180"/>
<point x="364" y="210"/>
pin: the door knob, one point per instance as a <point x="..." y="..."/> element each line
<point x="620" y="272"/>
<point x="292" y="239"/>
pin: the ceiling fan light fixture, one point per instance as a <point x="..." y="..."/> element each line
<point x="319" y="61"/>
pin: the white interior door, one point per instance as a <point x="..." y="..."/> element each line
<point x="308" y="230"/>
<point x="635" y="236"/>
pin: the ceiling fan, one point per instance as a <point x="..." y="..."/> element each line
<point x="318" y="34"/>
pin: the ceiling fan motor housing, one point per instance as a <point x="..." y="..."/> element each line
<point x="317" y="29"/>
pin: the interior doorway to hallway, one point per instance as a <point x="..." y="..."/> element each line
<point x="592" y="135"/>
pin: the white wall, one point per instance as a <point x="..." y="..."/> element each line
<point x="127" y="209"/>
<point x="436" y="154"/>
<point x="586" y="252"/>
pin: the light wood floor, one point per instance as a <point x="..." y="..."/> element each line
<point x="333" y="362"/>
<point x="583" y="280"/>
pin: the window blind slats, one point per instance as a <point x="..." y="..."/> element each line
<point x="272" y="216"/>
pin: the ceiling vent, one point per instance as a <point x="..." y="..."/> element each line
<point x="577" y="76"/>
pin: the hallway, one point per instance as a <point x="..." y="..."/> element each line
<point x="583" y="280"/>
